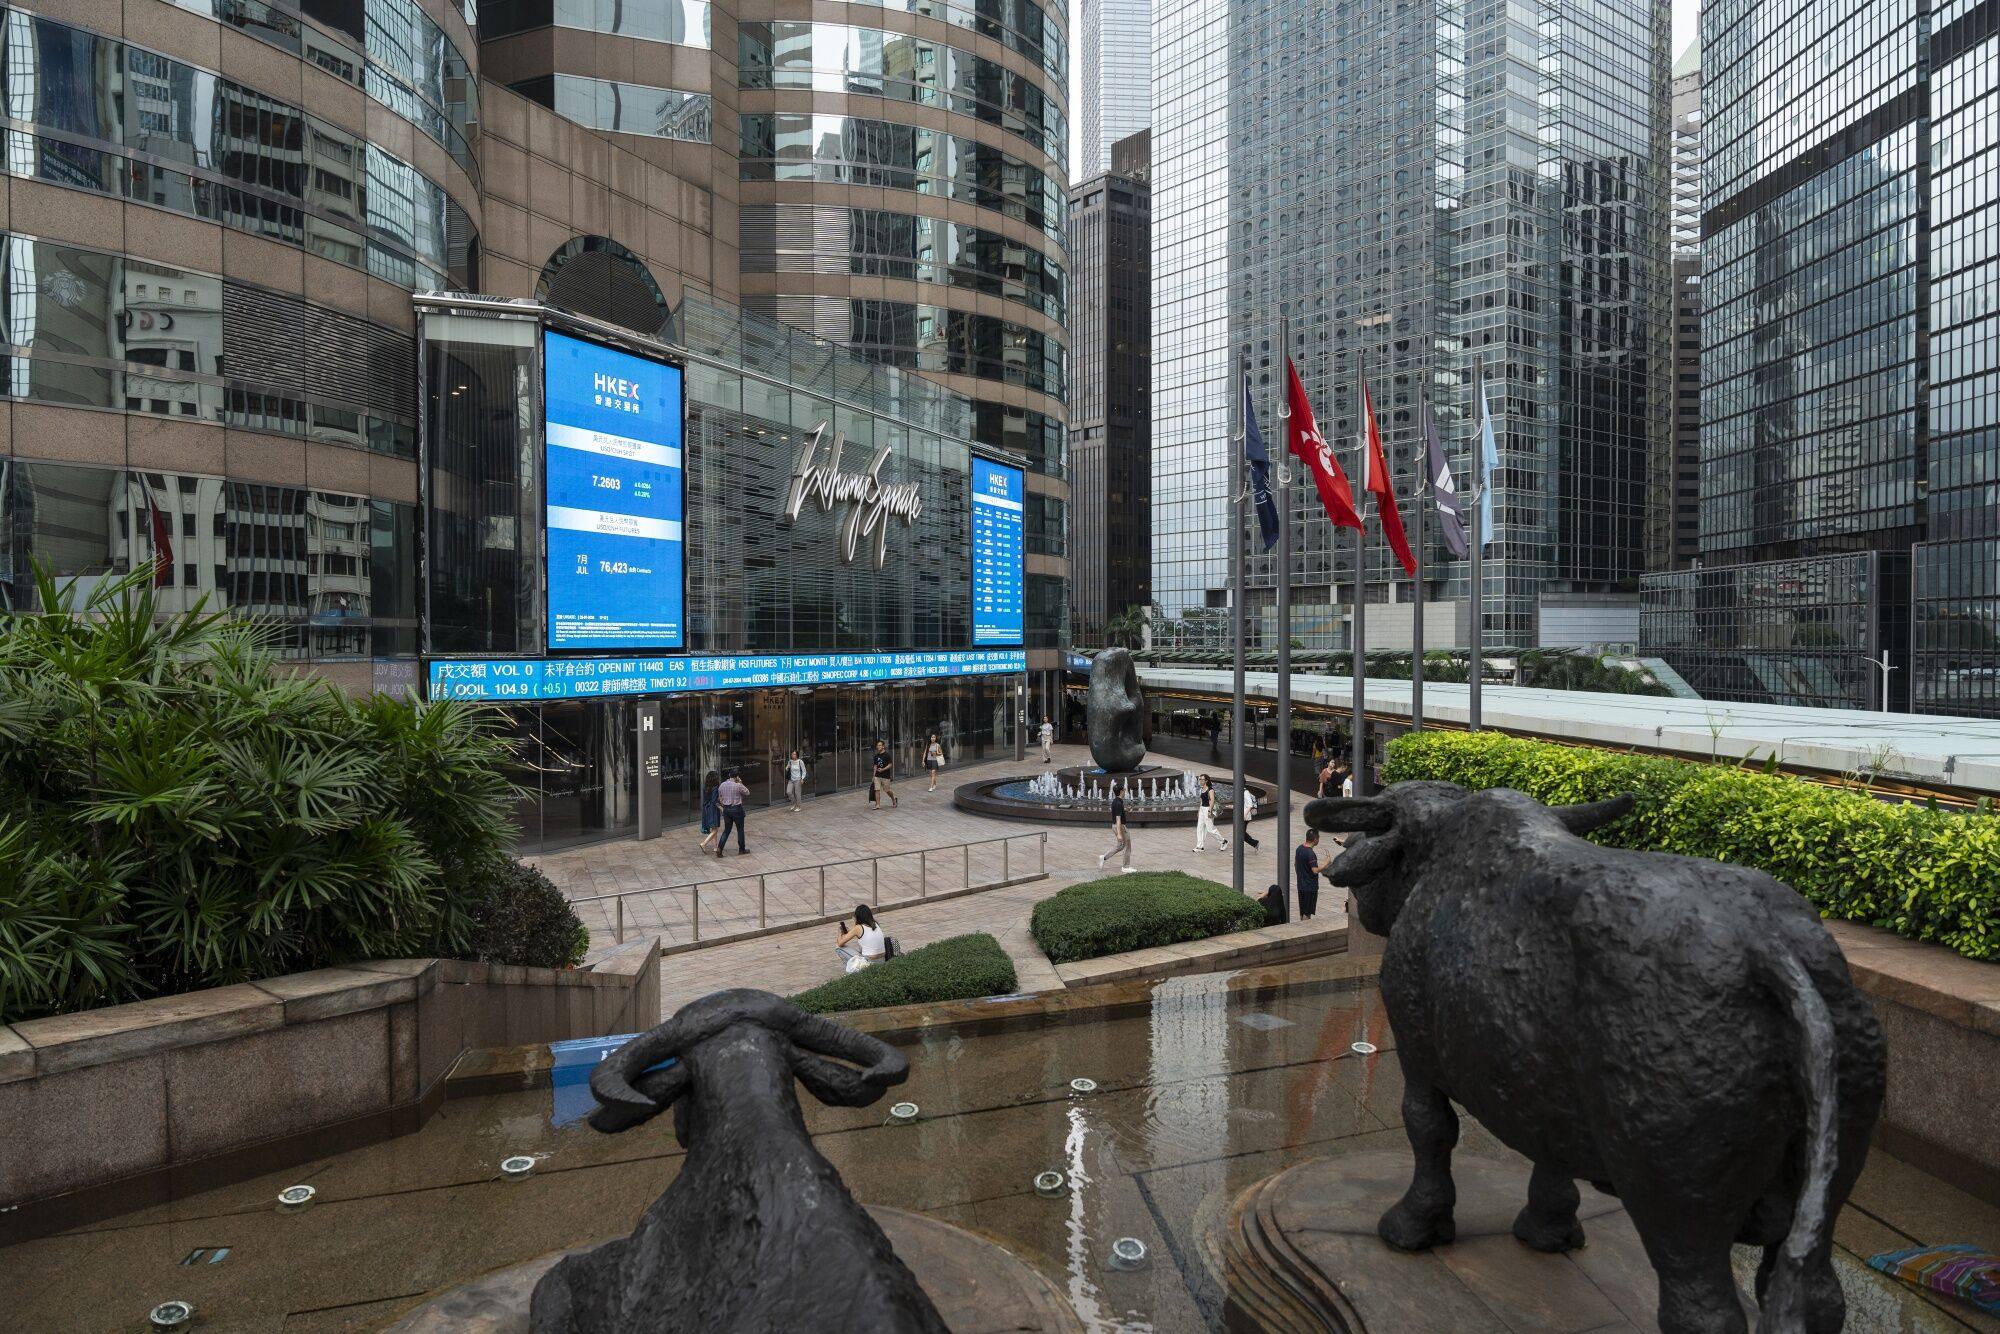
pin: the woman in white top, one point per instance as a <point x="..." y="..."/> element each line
<point x="795" y="779"/>
<point x="1204" y="817"/>
<point x="1246" y="812"/>
<point x="933" y="760"/>
<point x="863" y="943"/>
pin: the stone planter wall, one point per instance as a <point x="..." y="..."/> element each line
<point x="118" y="1108"/>
<point x="1940" y="1012"/>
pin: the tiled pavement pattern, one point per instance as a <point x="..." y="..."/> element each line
<point x="843" y="826"/>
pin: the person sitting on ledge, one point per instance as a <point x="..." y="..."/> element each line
<point x="863" y="943"/>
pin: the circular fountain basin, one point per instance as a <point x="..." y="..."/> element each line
<point x="1085" y="800"/>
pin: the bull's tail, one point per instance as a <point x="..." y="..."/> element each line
<point x="1785" y="1296"/>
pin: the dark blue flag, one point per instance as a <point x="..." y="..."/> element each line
<point x="1260" y="471"/>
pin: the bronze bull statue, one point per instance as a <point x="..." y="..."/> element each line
<point x="757" y="1232"/>
<point x="1680" y="1033"/>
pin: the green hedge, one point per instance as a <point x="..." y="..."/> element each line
<point x="1136" y="912"/>
<point x="1922" y="873"/>
<point x="958" y="968"/>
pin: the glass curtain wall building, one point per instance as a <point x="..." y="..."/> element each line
<point x="1115" y="53"/>
<point x="1191" y="392"/>
<point x="1850" y="389"/>
<point x="1426" y="190"/>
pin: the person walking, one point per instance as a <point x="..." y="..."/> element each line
<point x="1048" y="741"/>
<point x="1204" y="817"/>
<point x="862" y="944"/>
<point x="795" y="780"/>
<point x="933" y="759"/>
<point x="1326" y="784"/>
<point x="1121" y="837"/>
<point x="885" y="772"/>
<point x="711" y="809"/>
<point x="1306" y="867"/>
<point x="731" y="796"/>
<point x="1246" y="811"/>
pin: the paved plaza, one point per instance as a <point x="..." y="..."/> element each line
<point x="843" y="826"/>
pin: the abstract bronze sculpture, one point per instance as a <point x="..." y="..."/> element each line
<point x="757" y="1232"/>
<point x="1115" y="712"/>
<point x="1680" y="1033"/>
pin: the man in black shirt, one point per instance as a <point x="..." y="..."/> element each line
<point x="1121" y="837"/>
<point x="1306" y="868"/>
<point x="885" y="769"/>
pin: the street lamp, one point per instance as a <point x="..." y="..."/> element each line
<point x="1885" y="668"/>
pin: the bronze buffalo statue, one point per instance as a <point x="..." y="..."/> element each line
<point x="1680" y="1033"/>
<point x="757" y="1233"/>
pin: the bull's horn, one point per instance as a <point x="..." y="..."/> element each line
<point x="1349" y="815"/>
<point x="611" y="1082"/>
<point x="1588" y="815"/>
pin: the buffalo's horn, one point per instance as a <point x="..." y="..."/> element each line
<point x="1364" y="860"/>
<point x="1348" y="815"/>
<point x="611" y="1082"/>
<point x="1588" y="815"/>
<point x="815" y="1037"/>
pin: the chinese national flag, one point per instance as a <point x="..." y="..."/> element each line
<point x="1308" y="446"/>
<point x="1375" y="477"/>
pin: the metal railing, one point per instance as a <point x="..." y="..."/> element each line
<point x="800" y="892"/>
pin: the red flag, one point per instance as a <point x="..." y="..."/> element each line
<point x="163" y="541"/>
<point x="1309" y="447"/>
<point x="1375" y="477"/>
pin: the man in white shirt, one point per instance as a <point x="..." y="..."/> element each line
<point x="1048" y="742"/>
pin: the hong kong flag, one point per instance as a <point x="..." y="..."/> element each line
<point x="1308" y="446"/>
<point x="1375" y="477"/>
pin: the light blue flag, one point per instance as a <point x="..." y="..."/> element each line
<point x="1489" y="462"/>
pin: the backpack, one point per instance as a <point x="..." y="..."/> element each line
<point x="890" y="949"/>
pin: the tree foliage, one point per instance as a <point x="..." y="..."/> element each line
<point x="1914" y="870"/>
<point x="178" y="811"/>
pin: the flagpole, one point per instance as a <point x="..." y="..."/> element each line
<point x="1283" y="841"/>
<point x="1359" y="640"/>
<point x="1479" y="485"/>
<point x="1417" y="614"/>
<point x="1238" y="491"/>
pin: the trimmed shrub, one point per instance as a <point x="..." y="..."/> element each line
<point x="179" y="809"/>
<point x="1136" y="912"/>
<point x="523" y="918"/>
<point x="957" y="968"/>
<point x="1921" y="873"/>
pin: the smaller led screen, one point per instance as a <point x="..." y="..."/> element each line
<point x="998" y="543"/>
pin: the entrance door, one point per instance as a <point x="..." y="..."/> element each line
<point x="822" y="740"/>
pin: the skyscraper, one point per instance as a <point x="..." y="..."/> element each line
<point x="1423" y="191"/>
<point x="1673" y="484"/>
<point x="1849" y="383"/>
<point x="1110" y="425"/>
<point x="1191" y="393"/>
<point x="1115" y="52"/>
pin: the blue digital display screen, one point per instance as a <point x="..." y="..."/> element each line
<point x="589" y="678"/>
<point x="615" y="482"/>
<point x="999" y="496"/>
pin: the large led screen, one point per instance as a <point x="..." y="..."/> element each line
<point x="615" y="502"/>
<point x="998" y="541"/>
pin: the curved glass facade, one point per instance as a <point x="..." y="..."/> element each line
<point x="807" y="238"/>
<point x="86" y="328"/>
<point x="851" y="150"/>
<point x="124" y="121"/>
<point x="335" y="574"/>
<point x="681" y="22"/>
<point x="927" y="338"/>
<point x="623" y="108"/>
<point x="388" y="48"/>
<point x="1021" y="25"/>
<point x="872" y="62"/>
